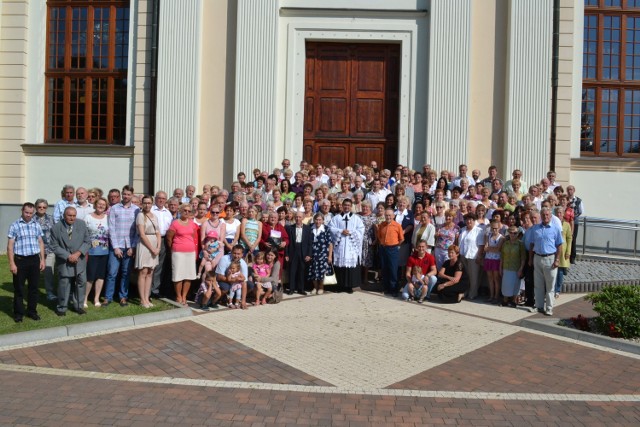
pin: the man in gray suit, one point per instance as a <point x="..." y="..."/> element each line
<point x="70" y="243"/>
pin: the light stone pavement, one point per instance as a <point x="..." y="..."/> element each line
<point x="359" y="341"/>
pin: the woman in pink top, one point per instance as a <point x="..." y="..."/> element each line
<point x="182" y="238"/>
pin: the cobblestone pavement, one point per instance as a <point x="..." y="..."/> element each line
<point x="593" y="270"/>
<point x="336" y="359"/>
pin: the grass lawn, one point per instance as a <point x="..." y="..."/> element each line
<point x="47" y="310"/>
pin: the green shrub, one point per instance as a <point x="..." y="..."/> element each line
<point x="619" y="310"/>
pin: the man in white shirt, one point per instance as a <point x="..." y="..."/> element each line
<point x="164" y="217"/>
<point x="83" y="207"/>
<point x="462" y="169"/>
<point x="377" y="193"/>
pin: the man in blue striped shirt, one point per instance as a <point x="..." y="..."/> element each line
<point x="25" y="250"/>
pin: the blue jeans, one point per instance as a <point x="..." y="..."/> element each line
<point x="389" y="258"/>
<point x="562" y="271"/>
<point x="115" y="266"/>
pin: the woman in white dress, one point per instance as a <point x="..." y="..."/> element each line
<point x="147" y="250"/>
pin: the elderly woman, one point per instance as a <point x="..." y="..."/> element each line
<point x="181" y="238"/>
<point x="322" y="254"/>
<point x="356" y="207"/>
<point x="274" y="236"/>
<point x="98" y="228"/>
<point x="404" y="217"/>
<point x="368" y="242"/>
<point x="424" y="230"/>
<point x="46" y="223"/>
<point x="446" y="235"/>
<point x="471" y="243"/>
<point x="512" y="259"/>
<point x="564" y="251"/>
<point x="148" y="249"/>
<point x="453" y="280"/>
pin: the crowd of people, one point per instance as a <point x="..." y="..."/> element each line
<point x="418" y="233"/>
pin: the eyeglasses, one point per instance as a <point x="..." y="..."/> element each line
<point x="495" y="229"/>
<point x="215" y="212"/>
<point x="513" y="233"/>
<point x="187" y="211"/>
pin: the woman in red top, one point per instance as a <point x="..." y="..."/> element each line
<point x="182" y="238"/>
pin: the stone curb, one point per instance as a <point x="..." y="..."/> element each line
<point x="551" y="326"/>
<point x="90" y="327"/>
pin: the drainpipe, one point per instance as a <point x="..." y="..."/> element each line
<point x="554" y="83"/>
<point x="153" y="87"/>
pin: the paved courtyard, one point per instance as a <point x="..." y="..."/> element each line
<point x="335" y="359"/>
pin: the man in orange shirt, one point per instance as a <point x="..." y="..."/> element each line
<point x="390" y="237"/>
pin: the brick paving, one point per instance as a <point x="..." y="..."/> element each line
<point x="530" y="363"/>
<point x="180" y="350"/>
<point x="567" y="310"/>
<point x="101" y="402"/>
<point x="324" y="361"/>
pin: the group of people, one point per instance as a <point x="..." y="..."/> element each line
<point x="417" y="232"/>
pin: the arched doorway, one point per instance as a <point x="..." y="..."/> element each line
<point x="351" y="103"/>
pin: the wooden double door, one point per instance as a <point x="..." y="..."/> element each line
<point x="351" y="103"/>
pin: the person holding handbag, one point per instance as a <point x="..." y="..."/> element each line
<point x="322" y="254"/>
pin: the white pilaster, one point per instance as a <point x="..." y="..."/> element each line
<point x="177" y="114"/>
<point x="255" y="103"/>
<point x="528" y="92"/>
<point x="449" y="68"/>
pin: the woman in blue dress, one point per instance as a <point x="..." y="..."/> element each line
<point x="322" y="254"/>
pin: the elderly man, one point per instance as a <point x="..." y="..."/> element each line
<point x="298" y="253"/>
<point x="190" y="191"/>
<point x="25" y="250"/>
<point x="165" y="218"/>
<point x="68" y="193"/>
<point x="83" y="207"/>
<point x="390" y="236"/>
<point x="544" y="255"/>
<point x="462" y="170"/>
<point x="70" y="242"/>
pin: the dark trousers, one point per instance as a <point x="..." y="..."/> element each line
<point x="528" y="285"/>
<point x="296" y="268"/>
<point x="572" y="257"/>
<point x="389" y="259"/>
<point x="160" y="272"/>
<point x="28" y="271"/>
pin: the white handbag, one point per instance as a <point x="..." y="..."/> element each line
<point x="330" y="279"/>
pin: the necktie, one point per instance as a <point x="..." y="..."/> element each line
<point x="70" y="231"/>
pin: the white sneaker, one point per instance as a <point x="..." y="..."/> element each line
<point x="549" y="312"/>
<point x="320" y="291"/>
<point x="313" y="292"/>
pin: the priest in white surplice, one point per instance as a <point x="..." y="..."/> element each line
<point x="347" y="230"/>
